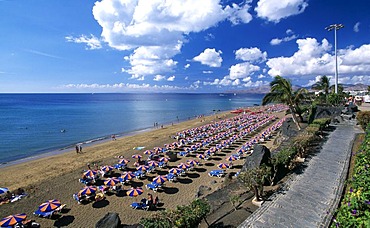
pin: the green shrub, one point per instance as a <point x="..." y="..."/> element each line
<point x="181" y="217"/>
<point x="322" y="122"/>
<point x="363" y="118"/>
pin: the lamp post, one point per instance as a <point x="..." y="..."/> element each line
<point x="335" y="27"/>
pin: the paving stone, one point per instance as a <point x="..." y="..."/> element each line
<point x="311" y="197"/>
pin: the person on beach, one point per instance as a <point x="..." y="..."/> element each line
<point x="113" y="137"/>
<point x="80" y="148"/>
<point x="77" y="149"/>
<point x="88" y="166"/>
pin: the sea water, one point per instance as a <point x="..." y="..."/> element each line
<point x="32" y="124"/>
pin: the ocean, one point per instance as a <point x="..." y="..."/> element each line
<point x="34" y="124"/>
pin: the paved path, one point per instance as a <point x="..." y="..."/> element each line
<point x="310" y="198"/>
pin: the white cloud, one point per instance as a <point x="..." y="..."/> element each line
<point x="242" y="70"/>
<point x="171" y="78"/>
<point x="209" y="37"/>
<point x="186" y="78"/>
<point x="250" y="54"/>
<point x="311" y="58"/>
<point x="151" y="60"/>
<point x="289" y="32"/>
<point x="159" y="77"/>
<point x="261" y="76"/>
<point x="137" y="24"/>
<point x="207" y="72"/>
<point x="92" y="42"/>
<point x="314" y="58"/>
<point x="187" y="66"/>
<point x="277" y="41"/>
<point x="275" y="10"/>
<point x="122" y="87"/>
<point x="356" y="27"/>
<point x="210" y="57"/>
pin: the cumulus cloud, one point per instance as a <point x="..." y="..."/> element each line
<point x="242" y="70"/>
<point x="275" y="10"/>
<point x="135" y="24"/>
<point x="311" y="58"/>
<point x="207" y="72"/>
<point x="356" y="27"/>
<point x="314" y="59"/>
<point x="92" y="42"/>
<point x="253" y="54"/>
<point x="151" y="60"/>
<point x="187" y="66"/>
<point x="209" y="57"/>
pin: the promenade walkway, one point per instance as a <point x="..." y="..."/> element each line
<point x="309" y="199"/>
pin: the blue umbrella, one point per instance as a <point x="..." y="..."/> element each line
<point x="3" y="190"/>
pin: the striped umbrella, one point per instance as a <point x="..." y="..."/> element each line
<point x="192" y="162"/>
<point x="183" y="166"/>
<point x="223" y="166"/>
<point x="160" y="179"/>
<point x="3" y="190"/>
<point x="127" y="176"/>
<point x="50" y="205"/>
<point x="11" y="220"/>
<point x="175" y="171"/>
<point x="133" y="192"/>
<point x="148" y="152"/>
<point x="163" y="159"/>
<point x="106" y="168"/>
<point x="153" y="163"/>
<point x="111" y="181"/>
<point x="123" y="161"/>
<point x="87" y="190"/>
<point x="137" y="156"/>
<point x="201" y="156"/>
<point x="231" y="158"/>
<point x="142" y="168"/>
<point x="89" y="173"/>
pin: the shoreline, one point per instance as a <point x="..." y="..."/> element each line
<point x="88" y="143"/>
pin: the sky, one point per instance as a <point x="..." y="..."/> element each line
<point x="187" y="46"/>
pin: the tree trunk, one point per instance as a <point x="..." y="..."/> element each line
<point x="256" y="193"/>
<point x="295" y="118"/>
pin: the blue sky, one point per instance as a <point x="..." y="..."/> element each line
<point x="178" y="45"/>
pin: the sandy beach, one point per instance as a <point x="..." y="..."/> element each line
<point x="56" y="177"/>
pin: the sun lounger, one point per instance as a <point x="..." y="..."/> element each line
<point x="162" y="164"/>
<point x="139" y="174"/>
<point x="143" y="206"/>
<point x="171" y="177"/>
<point x="153" y="186"/>
<point x="216" y="173"/>
<point x="60" y="208"/>
<point x="43" y="214"/>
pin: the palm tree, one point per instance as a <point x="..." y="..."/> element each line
<point x="282" y="91"/>
<point x="322" y="84"/>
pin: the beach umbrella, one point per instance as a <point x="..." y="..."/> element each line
<point x="133" y="192"/>
<point x="50" y="205"/>
<point x="183" y="166"/>
<point x="123" y="161"/>
<point x="111" y="181"/>
<point x="90" y="173"/>
<point x="137" y="156"/>
<point x="231" y="158"/>
<point x="157" y="150"/>
<point x="163" y="159"/>
<point x="106" y="168"/>
<point x="3" y="190"/>
<point x="87" y="190"/>
<point x="175" y="171"/>
<point x="148" y="152"/>
<point x="223" y="166"/>
<point x="127" y="176"/>
<point x="142" y="168"/>
<point x="160" y="179"/>
<point x="11" y="220"/>
<point x="201" y="156"/>
<point x="192" y="162"/>
<point x="153" y="163"/>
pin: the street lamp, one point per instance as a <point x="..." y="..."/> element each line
<point x="335" y="27"/>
